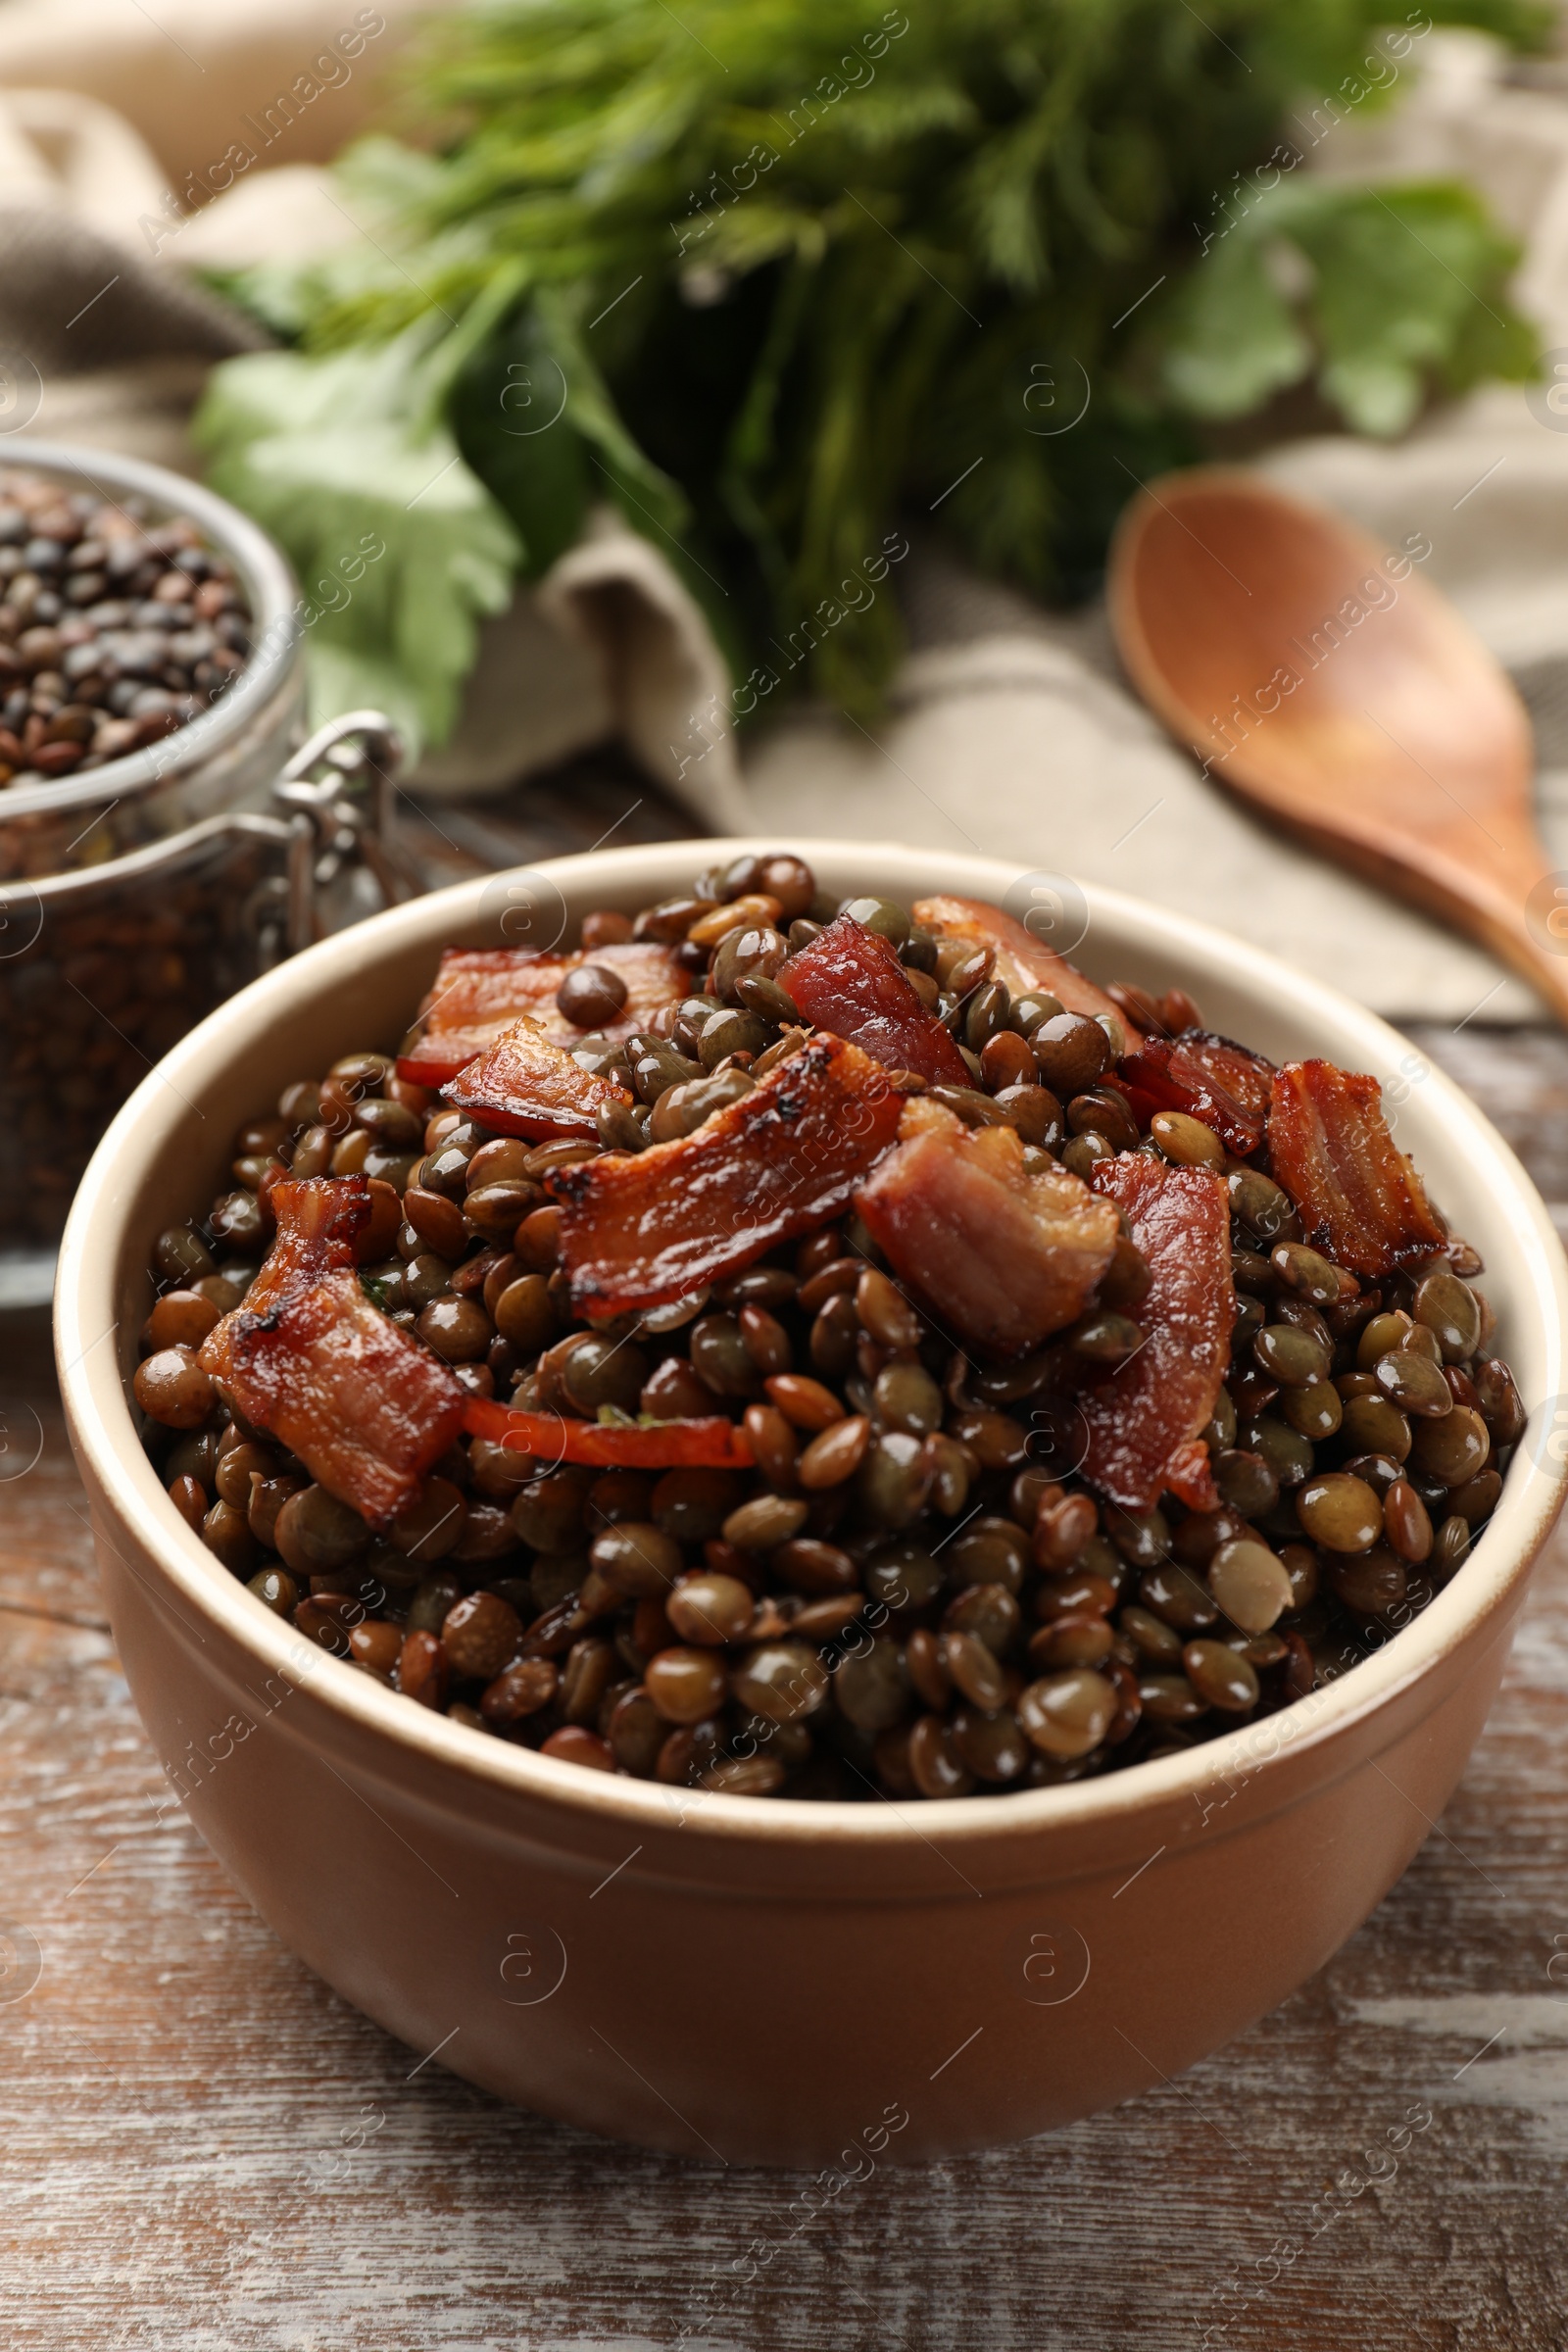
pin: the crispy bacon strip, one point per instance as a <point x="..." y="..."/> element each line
<point x="709" y="1443"/>
<point x="1357" y="1196"/>
<point x="312" y="1360"/>
<point x="1215" y="1080"/>
<point x="319" y="1221"/>
<point x="641" y="1229"/>
<point x="1145" y="1418"/>
<point x="1003" y="1257"/>
<point x="525" y="1085"/>
<point x="1021" y="961"/>
<point x="849" y="980"/>
<point x="479" y="992"/>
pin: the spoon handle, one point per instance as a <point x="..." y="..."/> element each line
<point x="1519" y="942"/>
<point x="1504" y="897"/>
<point x="1507" y="899"/>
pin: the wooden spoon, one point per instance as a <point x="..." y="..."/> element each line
<point x="1321" y="677"/>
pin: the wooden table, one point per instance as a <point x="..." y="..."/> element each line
<point x="204" y="2149"/>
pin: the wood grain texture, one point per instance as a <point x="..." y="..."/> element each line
<point x="180" y="2099"/>
<point x="1408" y="756"/>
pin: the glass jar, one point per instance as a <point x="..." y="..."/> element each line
<point x="138" y="895"/>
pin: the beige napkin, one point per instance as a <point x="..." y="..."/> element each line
<point x="612" y="643"/>
<point x="291" y="79"/>
<point x="1011" y="731"/>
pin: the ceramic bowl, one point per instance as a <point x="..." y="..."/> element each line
<point x="767" y="1981"/>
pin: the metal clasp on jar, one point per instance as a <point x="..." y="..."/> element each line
<point x="339" y="790"/>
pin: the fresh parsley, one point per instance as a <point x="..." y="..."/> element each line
<point x="773" y="276"/>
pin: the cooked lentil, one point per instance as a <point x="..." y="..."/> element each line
<point x="897" y="1598"/>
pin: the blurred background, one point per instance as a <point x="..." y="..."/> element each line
<point x="639" y="339"/>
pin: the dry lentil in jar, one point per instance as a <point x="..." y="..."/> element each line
<point x="116" y="631"/>
<point x="831" y="1350"/>
<point x="113" y="630"/>
<point x="98" y="992"/>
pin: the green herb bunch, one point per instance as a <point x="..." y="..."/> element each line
<point x="773" y="280"/>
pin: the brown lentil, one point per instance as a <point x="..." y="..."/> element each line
<point x="1151" y="1635"/>
<point x="1451" y="1549"/>
<point x="1085" y="1641"/>
<point x="574" y="1743"/>
<point x="780" y="1680"/>
<point x="1220" y="1678"/>
<point x="767" y="1520"/>
<point x="1070" y="1053"/>
<point x="1067" y="1715"/>
<point x="1371" y="1583"/>
<point x="422" y="1671"/>
<point x="1413" y="1383"/>
<point x="518" y="1690"/>
<point x="1290" y="1357"/>
<point x="189" y="1498"/>
<point x="1305" y="1272"/>
<point x="710" y="1609"/>
<point x="774" y="1444"/>
<point x="482" y="1635"/>
<point x="1499" y="1403"/>
<point x="1249" y="1584"/>
<point x="1187" y="1141"/>
<point x="909" y="1589"/>
<point x="1453" y="1449"/>
<point x="1448" y="1309"/>
<point x="989" y="1744"/>
<point x="376" y="1647"/>
<point x="637" y="1558"/>
<point x="433" y="1526"/>
<point x="806" y="1403"/>
<point x="935" y="1764"/>
<point x="1315" y="1411"/>
<point x="686" y="1685"/>
<point x="1405" y="1522"/>
<point x="226" y="1534"/>
<point x="1069" y="1596"/>
<point x="1172" y="1594"/>
<point x="1340" y="1512"/>
<point x="1375" y="1425"/>
<point x="1478" y="1497"/>
<point x="871" y="1688"/>
<point x="172" y="1388"/>
<point x="805" y="1564"/>
<point x="275" y="1589"/>
<point x="1169" y="1698"/>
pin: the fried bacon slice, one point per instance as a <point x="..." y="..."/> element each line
<point x="320" y="1222"/>
<point x="641" y="1229"/>
<point x="1357" y="1196"/>
<point x="709" y="1443"/>
<point x="1213" y="1079"/>
<point x="308" y="1359"/>
<point x="849" y="980"/>
<point x="1143" y="1419"/>
<point x="479" y="992"/>
<point x="1021" y="961"/>
<point x="1001" y="1257"/>
<point x="525" y="1085"/>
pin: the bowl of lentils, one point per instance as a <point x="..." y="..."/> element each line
<point x="793" y="1368"/>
